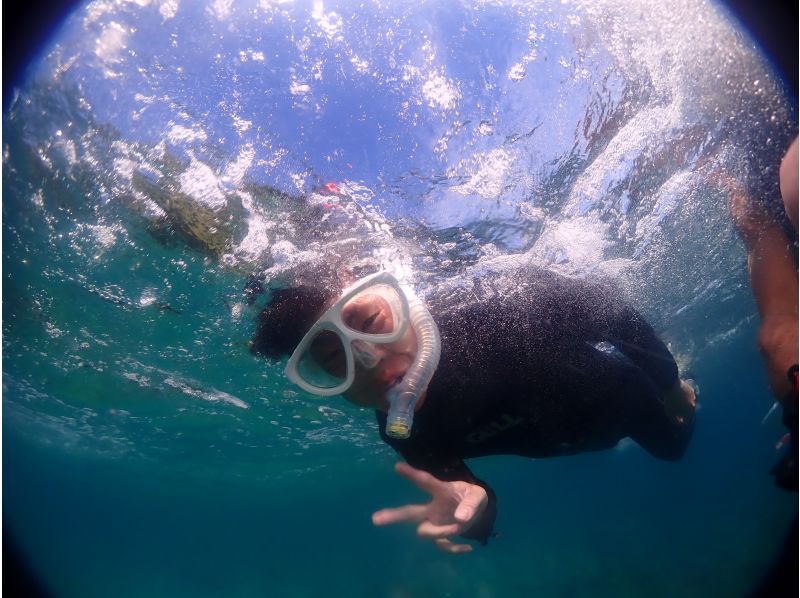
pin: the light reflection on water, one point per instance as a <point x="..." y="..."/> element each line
<point x="153" y="168"/>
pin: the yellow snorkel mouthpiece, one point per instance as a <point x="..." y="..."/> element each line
<point x="398" y="429"/>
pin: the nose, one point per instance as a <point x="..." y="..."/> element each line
<point x="366" y="354"/>
<point x="392" y="369"/>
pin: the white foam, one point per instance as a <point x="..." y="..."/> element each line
<point x="574" y="245"/>
<point x="236" y="169"/>
<point x="148" y="298"/>
<point x="111" y="42"/>
<point x="97" y="9"/>
<point x="297" y="89"/>
<point x="212" y="395"/>
<point x="490" y="176"/>
<point x="220" y="9"/>
<point x="361" y="65"/>
<point x="105" y="236"/>
<point x="180" y="134"/>
<point x="168" y="9"/>
<point x="440" y="92"/>
<point x="201" y="184"/>
<point x="138" y="378"/>
<point x="516" y="72"/>
<point x="330" y="23"/>
<point x="257" y="241"/>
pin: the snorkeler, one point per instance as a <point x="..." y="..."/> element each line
<point x="554" y="366"/>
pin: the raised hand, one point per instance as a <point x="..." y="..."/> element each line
<point x="680" y="402"/>
<point x="453" y="508"/>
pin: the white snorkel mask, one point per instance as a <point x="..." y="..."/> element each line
<point x="324" y="361"/>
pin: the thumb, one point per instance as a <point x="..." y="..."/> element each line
<point x="470" y="505"/>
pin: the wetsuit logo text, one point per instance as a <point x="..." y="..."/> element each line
<point x="493" y="429"/>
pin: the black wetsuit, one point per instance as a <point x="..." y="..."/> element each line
<point x="521" y="374"/>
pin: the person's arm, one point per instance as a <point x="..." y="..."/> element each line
<point x="789" y="184"/>
<point x="629" y="332"/>
<point x="637" y="340"/>
<point x="773" y="280"/>
<point x="593" y="313"/>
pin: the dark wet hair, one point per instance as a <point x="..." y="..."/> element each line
<point x="292" y="311"/>
<point x="290" y="314"/>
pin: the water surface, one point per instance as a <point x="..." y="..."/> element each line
<point x="161" y="152"/>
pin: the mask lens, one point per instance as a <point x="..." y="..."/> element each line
<point x="323" y="364"/>
<point x="375" y="310"/>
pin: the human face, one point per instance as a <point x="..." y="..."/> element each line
<point x="372" y="314"/>
<point x="307" y="365"/>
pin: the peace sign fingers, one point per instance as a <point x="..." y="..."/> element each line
<point x="407" y="513"/>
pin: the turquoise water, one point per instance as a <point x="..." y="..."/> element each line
<point x="160" y="152"/>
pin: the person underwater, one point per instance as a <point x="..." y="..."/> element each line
<point x="517" y="373"/>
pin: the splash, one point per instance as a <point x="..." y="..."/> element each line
<point x="151" y="174"/>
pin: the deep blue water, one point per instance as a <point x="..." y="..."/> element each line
<point x="146" y="451"/>
<point x="617" y="523"/>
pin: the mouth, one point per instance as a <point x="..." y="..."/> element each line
<point x="385" y="387"/>
<point x="383" y="392"/>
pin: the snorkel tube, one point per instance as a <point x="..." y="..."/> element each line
<point x="405" y="394"/>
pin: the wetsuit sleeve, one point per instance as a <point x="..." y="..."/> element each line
<point x="631" y="334"/>
<point x="593" y="312"/>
